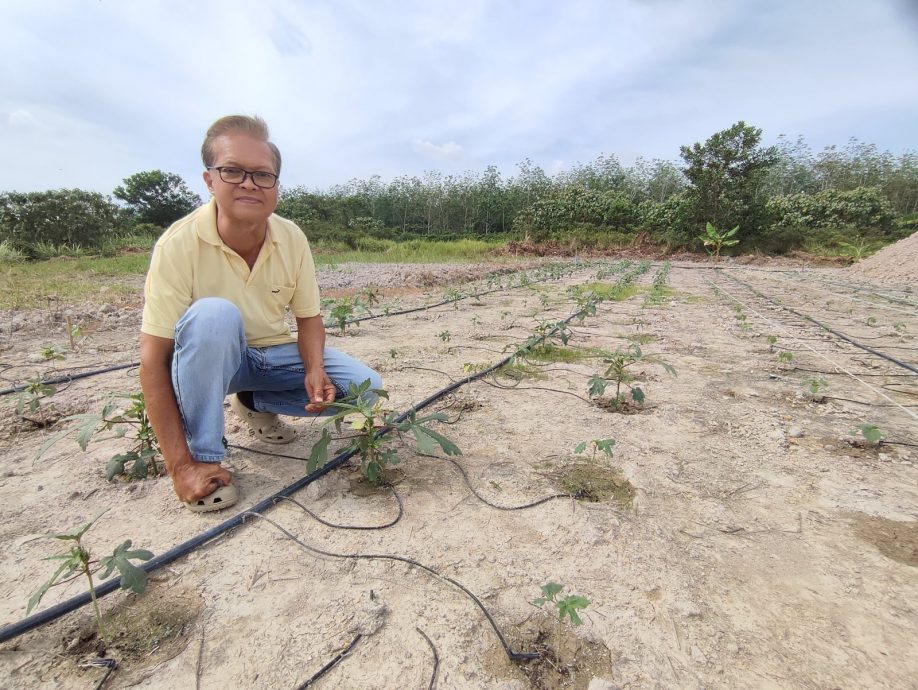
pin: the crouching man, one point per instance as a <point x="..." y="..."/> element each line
<point x="219" y="282"/>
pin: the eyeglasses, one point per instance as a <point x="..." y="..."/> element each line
<point x="232" y="175"/>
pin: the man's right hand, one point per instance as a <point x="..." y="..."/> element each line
<point x="193" y="480"/>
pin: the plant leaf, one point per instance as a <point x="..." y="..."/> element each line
<point x="41" y="591"/>
<point x="550" y="590"/>
<point x="638" y="395"/>
<point x="319" y="454"/>
<point x="132" y="577"/>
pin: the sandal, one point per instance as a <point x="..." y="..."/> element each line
<point x="222" y="498"/>
<point x="266" y="425"/>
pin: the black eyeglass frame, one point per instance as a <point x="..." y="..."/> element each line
<point x="245" y="174"/>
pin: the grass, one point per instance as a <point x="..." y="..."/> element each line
<point x="29" y="285"/>
<point x="518" y="371"/>
<point x="413" y="251"/>
<point x="553" y="353"/>
<point x="610" y="291"/>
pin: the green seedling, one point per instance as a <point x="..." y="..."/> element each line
<point x="30" y="398"/>
<point x="815" y="386"/>
<point x="393" y="353"/>
<point x="369" y="424"/>
<point x="870" y="432"/>
<point x="714" y="240"/>
<point x="476" y="320"/>
<point x="444" y="336"/>
<point x="771" y="340"/>
<point x="342" y="312"/>
<point x="603" y="445"/>
<point x="74" y="333"/>
<point x="617" y="373"/>
<point x="785" y="357"/>
<point x="472" y="368"/>
<point x="567" y="607"/>
<point x="369" y="297"/>
<point x="586" y="306"/>
<point x="117" y="420"/>
<point x="49" y="353"/>
<point x="857" y="250"/>
<point x="77" y="561"/>
<point x="871" y="321"/>
<point x="899" y="327"/>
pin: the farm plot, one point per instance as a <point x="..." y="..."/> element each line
<point x="735" y="534"/>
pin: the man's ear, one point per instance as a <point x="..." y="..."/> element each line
<point x="209" y="181"/>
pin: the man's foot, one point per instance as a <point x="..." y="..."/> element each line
<point x="194" y="480"/>
<point x="266" y="425"/>
<point x="222" y="498"/>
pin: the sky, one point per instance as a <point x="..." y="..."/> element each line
<point x="92" y="91"/>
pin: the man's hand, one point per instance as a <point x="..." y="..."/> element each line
<point x="194" y="480"/>
<point x="320" y="389"/>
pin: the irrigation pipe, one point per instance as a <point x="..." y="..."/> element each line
<point x="883" y="355"/>
<point x="52" y="613"/>
<point x="839" y="367"/>
<point x="331" y="664"/>
<point x="72" y="377"/>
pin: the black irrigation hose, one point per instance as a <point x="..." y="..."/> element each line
<point x="898" y="362"/>
<point x="72" y="377"/>
<point x="514" y="656"/>
<point x="436" y="668"/>
<point x="20" y="627"/>
<point x="331" y="664"/>
<point x="391" y="523"/>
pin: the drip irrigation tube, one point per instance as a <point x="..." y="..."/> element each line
<point x="877" y="353"/>
<point x="52" y="613"/>
<point x="72" y="377"/>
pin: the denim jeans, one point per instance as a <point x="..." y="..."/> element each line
<point x="211" y="360"/>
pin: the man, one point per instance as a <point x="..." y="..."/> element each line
<point x="213" y="322"/>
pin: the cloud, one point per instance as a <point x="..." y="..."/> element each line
<point x="449" y="149"/>
<point x="23" y="118"/>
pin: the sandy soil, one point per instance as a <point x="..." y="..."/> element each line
<point x="763" y="548"/>
<point x="897" y="263"/>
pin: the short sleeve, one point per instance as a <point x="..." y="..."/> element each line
<point x="167" y="291"/>
<point x="305" y="301"/>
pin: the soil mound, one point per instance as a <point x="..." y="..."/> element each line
<point x="897" y="263"/>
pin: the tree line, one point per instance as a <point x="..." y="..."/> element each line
<point x="781" y="197"/>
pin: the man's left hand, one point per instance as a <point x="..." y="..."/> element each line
<point x="320" y="389"/>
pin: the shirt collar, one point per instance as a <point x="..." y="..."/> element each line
<point x="206" y="225"/>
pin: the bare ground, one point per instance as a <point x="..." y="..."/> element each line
<point x="760" y="549"/>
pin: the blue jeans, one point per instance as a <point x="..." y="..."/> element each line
<point x="211" y="360"/>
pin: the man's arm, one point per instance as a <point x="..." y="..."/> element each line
<point x="192" y="480"/>
<point x="310" y="340"/>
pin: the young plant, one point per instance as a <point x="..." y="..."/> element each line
<point x="129" y="422"/>
<point x="393" y="353"/>
<point x="77" y="561"/>
<point x="30" y="397"/>
<point x="815" y="386"/>
<point x="476" y="320"/>
<point x="617" y="373"/>
<point x="603" y="445"/>
<point x="771" y="340"/>
<point x="444" y="336"/>
<point x="871" y="321"/>
<point x="342" y="312"/>
<point x="568" y="606"/>
<point x="870" y="432"/>
<point x="368" y="425"/>
<point x="49" y="353"/>
<point x="785" y="357"/>
<point x="369" y="297"/>
<point x="899" y="327"/>
<point x="715" y="240"/>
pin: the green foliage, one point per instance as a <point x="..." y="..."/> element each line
<point x="899" y="327"/>
<point x="870" y="432"/>
<point x="50" y="353"/>
<point x="9" y="254"/>
<point x="30" y="398"/>
<point x="342" y="312"/>
<point x="872" y="321"/>
<point x="715" y="240"/>
<point x="603" y="445"/>
<point x="568" y="606"/>
<point x="157" y="198"/>
<point x="77" y="560"/>
<point x="124" y="415"/>
<point x="368" y="424"/>
<point x="815" y="386"/>
<point x="618" y="373"/>
<point x="785" y="357"/>
<point x="33" y="221"/>
<point x="444" y="336"/>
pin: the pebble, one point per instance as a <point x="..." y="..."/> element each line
<point x="602" y="684"/>
<point x="795" y="432"/>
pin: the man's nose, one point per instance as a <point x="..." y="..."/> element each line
<point x="248" y="180"/>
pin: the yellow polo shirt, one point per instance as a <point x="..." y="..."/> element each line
<point x="190" y="261"/>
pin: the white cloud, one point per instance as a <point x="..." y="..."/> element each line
<point x="23" y="118"/>
<point x="449" y="149"/>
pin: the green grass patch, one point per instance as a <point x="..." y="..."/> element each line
<point x="412" y="251"/>
<point x="639" y="338"/>
<point x="609" y="291"/>
<point x="29" y="285"/>
<point x="554" y="353"/>
<point x="594" y="483"/>
<point x="519" y="371"/>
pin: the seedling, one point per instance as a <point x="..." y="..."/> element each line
<point x="49" y="353"/>
<point x="78" y="561"/>
<point x="444" y="336"/>
<point x="342" y="312"/>
<point x="131" y="422"/>
<point x="568" y="606"/>
<point x="74" y="333"/>
<point x="771" y="340"/>
<point x="30" y="399"/>
<point x="870" y="432"/>
<point x="871" y="321"/>
<point x="785" y="357"/>
<point x="393" y="353"/>
<point x="371" y="423"/>
<point x="714" y="240"/>
<point x="603" y="445"/>
<point x="369" y="297"/>
<point x="617" y="373"/>
<point x="899" y="327"/>
<point x="476" y="320"/>
<point x="815" y="385"/>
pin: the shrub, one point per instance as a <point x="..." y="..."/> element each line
<point x="71" y="217"/>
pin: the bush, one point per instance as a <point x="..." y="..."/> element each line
<point x="71" y="217"/>
<point x="863" y="207"/>
<point x="372" y="244"/>
<point x="9" y="255"/>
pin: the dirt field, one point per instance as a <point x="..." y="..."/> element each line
<point x="764" y="545"/>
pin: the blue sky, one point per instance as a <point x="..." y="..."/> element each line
<point x="92" y="91"/>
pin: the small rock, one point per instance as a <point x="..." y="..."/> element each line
<point x="601" y="684"/>
<point x="795" y="432"/>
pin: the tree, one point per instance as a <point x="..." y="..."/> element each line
<point x="157" y="197"/>
<point x="726" y="175"/>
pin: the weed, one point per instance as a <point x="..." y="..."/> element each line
<point x="78" y="561"/>
<point x="130" y="422"/>
<point x="370" y="424"/>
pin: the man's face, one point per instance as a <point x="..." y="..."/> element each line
<point x="244" y="201"/>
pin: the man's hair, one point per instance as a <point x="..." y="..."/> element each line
<point x="253" y="126"/>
